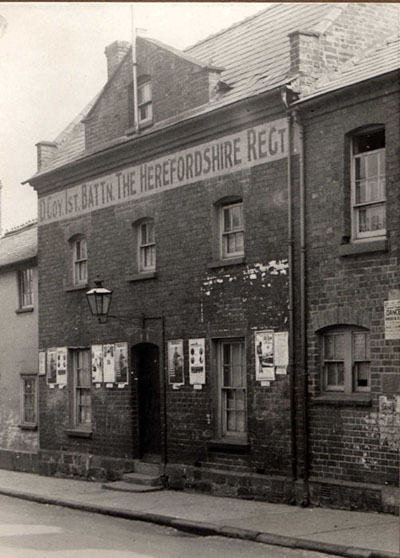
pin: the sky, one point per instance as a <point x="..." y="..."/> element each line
<point x="52" y="64"/>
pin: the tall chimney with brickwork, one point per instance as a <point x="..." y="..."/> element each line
<point x="45" y="152"/>
<point x="114" y="54"/>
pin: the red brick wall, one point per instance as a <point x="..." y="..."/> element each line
<point x="177" y="85"/>
<point x="196" y="301"/>
<point x="351" y="443"/>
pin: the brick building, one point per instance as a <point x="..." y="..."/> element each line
<point x="19" y="349"/>
<point x="250" y="241"/>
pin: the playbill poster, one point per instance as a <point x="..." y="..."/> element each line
<point x="42" y="363"/>
<point x="109" y="363"/>
<point x="175" y="362"/>
<point x="62" y="366"/>
<point x="121" y="363"/>
<point x="281" y="351"/>
<point x="392" y="319"/>
<point x="97" y="364"/>
<point x="264" y="345"/>
<point x="197" y="369"/>
<point x="52" y="366"/>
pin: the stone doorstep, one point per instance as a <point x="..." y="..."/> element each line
<point x="121" y="486"/>
<point x="142" y="479"/>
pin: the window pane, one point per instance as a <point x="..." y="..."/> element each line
<point x="371" y="218"/>
<point x="362" y="374"/>
<point x="360" y="167"/>
<point x="360" y="346"/>
<point x="227" y="219"/>
<point x="334" y="374"/>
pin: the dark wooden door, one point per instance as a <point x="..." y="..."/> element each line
<point x="148" y="371"/>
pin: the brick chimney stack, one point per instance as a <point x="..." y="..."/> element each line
<point x="114" y="54"/>
<point x="45" y="152"/>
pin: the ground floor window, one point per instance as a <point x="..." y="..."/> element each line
<point x="29" y="400"/>
<point x="81" y="374"/>
<point x="346" y="360"/>
<point x="232" y="388"/>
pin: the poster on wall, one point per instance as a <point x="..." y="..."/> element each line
<point x="392" y="319"/>
<point x="42" y="363"/>
<point x="175" y="362"/>
<point x="109" y="363"/>
<point x="197" y="368"/>
<point x="281" y="351"/>
<point x="264" y="345"/>
<point x="52" y="366"/>
<point x="61" y="366"/>
<point x="97" y="364"/>
<point x="121" y="363"/>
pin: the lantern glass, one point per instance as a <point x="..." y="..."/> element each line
<point x="99" y="300"/>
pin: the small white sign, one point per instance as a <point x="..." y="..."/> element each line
<point x="197" y="368"/>
<point x="392" y="319"/>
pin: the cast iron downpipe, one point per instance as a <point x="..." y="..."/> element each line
<point x="303" y="322"/>
<point x="291" y="304"/>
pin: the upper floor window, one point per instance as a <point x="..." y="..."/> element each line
<point x="147" y="246"/>
<point x="232" y="230"/>
<point x="79" y="248"/>
<point x="368" y="184"/>
<point x="346" y="360"/>
<point x="25" y="288"/>
<point x="145" y="107"/>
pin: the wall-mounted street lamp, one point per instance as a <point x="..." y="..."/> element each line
<point x="99" y="300"/>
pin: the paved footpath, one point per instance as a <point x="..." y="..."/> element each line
<point x="340" y="533"/>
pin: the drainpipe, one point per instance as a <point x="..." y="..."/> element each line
<point x="303" y="324"/>
<point x="291" y="305"/>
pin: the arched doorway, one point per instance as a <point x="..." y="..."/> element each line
<point x="145" y="357"/>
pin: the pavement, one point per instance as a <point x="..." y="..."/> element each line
<point x="336" y="532"/>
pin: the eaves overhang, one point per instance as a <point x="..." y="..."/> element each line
<point x="161" y="136"/>
<point x="316" y="97"/>
<point x="19" y="264"/>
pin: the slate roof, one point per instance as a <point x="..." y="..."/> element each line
<point x="18" y="245"/>
<point x="255" y="51"/>
<point x="383" y="59"/>
<point x="255" y="58"/>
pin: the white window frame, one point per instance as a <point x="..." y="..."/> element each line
<point x="77" y="362"/>
<point x="358" y="207"/>
<point x="25" y="286"/>
<point x="349" y="362"/>
<point x="79" y="261"/>
<point x="28" y="377"/>
<point x="145" y="102"/>
<point x="222" y="401"/>
<point x="146" y="247"/>
<point x="225" y="234"/>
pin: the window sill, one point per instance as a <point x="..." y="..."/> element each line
<point x="24" y="310"/>
<point x="142" y="276"/>
<point x="227" y="262"/>
<point x="363" y="247"/>
<point x="79" y="432"/>
<point x="82" y="287"/>
<point x="343" y="400"/>
<point x="27" y="426"/>
<point x="226" y="445"/>
<point x="142" y="126"/>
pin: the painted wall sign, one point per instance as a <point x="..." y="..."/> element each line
<point x="392" y="319"/>
<point x="264" y="345"/>
<point x="176" y="362"/>
<point x="254" y="146"/>
<point x="197" y="366"/>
